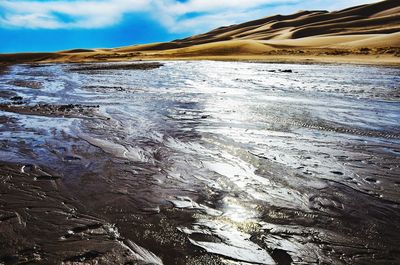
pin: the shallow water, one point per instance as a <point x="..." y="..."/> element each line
<point x="201" y="163"/>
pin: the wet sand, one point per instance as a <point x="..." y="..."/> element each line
<point x="199" y="163"/>
<point x="122" y="66"/>
<point x="70" y="110"/>
<point x="381" y="57"/>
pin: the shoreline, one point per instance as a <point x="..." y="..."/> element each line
<point x="389" y="61"/>
<point x="356" y="59"/>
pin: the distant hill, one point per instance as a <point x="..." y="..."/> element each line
<point x="371" y="25"/>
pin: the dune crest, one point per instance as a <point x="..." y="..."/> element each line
<point x="358" y="23"/>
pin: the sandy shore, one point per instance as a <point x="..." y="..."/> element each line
<point x="373" y="59"/>
<point x="352" y="59"/>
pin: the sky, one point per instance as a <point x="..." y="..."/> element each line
<point x="54" y="25"/>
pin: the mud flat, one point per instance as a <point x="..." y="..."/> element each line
<point x="25" y="83"/>
<point x="117" y="66"/>
<point x="70" y="110"/>
<point x="199" y="163"/>
<point x="37" y="208"/>
<point x="3" y="68"/>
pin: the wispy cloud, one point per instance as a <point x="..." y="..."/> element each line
<point x="190" y="16"/>
<point x="67" y="14"/>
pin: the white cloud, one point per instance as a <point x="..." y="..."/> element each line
<point x="192" y="16"/>
<point x="195" y="16"/>
<point x="216" y="13"/>
<point x="178" y="8"/>
<point x="67" y="14"/>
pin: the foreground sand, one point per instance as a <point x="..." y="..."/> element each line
<point x="200" y="162"/>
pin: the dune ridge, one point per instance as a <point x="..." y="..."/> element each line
<point x="360" y="23"/>
<point x="369" y="33"/>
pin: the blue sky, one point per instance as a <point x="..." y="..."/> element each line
<point x="52" y="25"/>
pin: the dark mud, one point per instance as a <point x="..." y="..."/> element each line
<point x="116" y="66"/>
<point x="3" y="68"/>
<point x="7" y="94"/>
<point x="70" y="110"/>
<point x="35" y="212"/>
<point x="200" y="163"/>
<point x="26" y="83"/>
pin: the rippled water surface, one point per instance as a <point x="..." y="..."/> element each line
<point x="200" y="163"/>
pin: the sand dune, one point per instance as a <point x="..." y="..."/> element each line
<point x="371" y="29"/>
<point x="77" y="51"/>
<point x="28" y="57"/>
<point x="222" y="48"/>
<point x="379" y="18"/>
<point x="388" y="40"/>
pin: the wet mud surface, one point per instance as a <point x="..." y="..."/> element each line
<point x="116" y="66"/>
<point x="70" y="110"/>
<point x="199" y="163"/>
<point x="26" y="83"/>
